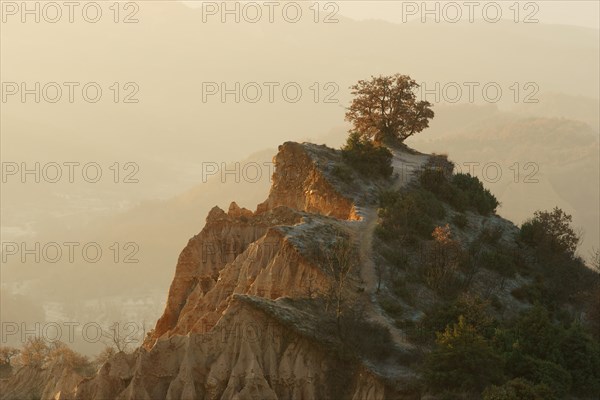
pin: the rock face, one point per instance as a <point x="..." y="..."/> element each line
<point x="248" y="314"/>
<point x="56" y="382"/>
<point x="228" y="331"/>
<point x="239" y="252"/>
<point x="224" y="237"/>
<point x="248" y="355"/>
<point x="300" y="183"/>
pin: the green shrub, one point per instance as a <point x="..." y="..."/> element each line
<point x="441" y="162"/>
<point x="538" y="371"/>
<point x="474" y="309"/>
<point x="536" y="334"/>
<point x="436" y="181"/>
<point x="580" y="355"/>
<point x="565" y="279"/>
<point x="517" y="389"/>
<point x="536" y="353"/>
<point x="462" y="191"/>
<point x="552" y="375"/>
<point x="462" y="360"/>
<point x="475" y="194"/>
<point x="542" y="351"/>
<point x="410" y="212"/>
<point x="368" y="159"/>
<point x="550" y="231"/>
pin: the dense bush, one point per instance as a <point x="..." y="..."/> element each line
<point x="580" y="355"/>
<point x="540" y="354"/>
<point x="462" y="191"/>
<point x="537" y="334"/>
<point x="436" y="180"/>
<point x="462" y="360"/>
<point x="562" y="276"/>
<point x="539" y="357"/>
<point x="545" y="352"/>
<point x="517" y="389"/>
<point x="550" y="231"/>
<point x="475" y="194"/>
<point x="368" y="159"/>
<point x="539" y="371"/>
<point x="474" y="309"/>
<point x="413" y="212"/>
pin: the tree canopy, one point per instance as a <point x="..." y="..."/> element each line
<point x="386" y="108"/>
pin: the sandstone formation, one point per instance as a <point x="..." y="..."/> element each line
<point x="55" y="382"/>
<point x="300" y="183"/>
<point x="241" y="319"/>
<point x="230" y="329"/>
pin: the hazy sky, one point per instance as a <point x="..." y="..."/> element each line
<point x="580" y="13"/>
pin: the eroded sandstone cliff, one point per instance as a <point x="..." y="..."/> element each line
<point x="249" y="313"/>
<point x="300" y="182"/>
<point x="256" y="351"/>
<point x="228" y="331"/>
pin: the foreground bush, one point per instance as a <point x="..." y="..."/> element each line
<point x="530" y="357"/>
<point x="517" y="389"/>
<point x="462" y="360"/>
<point x="368" y="159"/>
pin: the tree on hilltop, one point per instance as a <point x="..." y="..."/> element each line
<point x="386" y="108"/>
